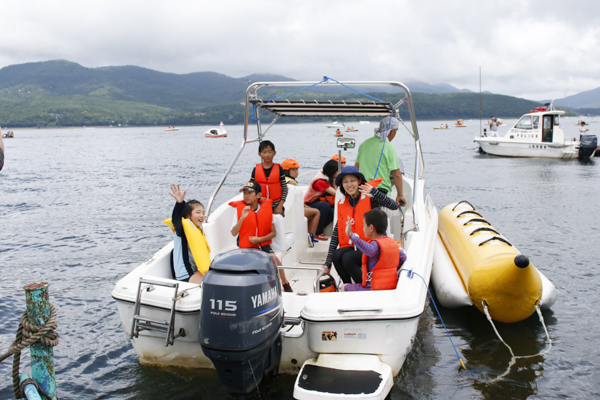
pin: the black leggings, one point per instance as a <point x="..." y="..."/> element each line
<point x="348" y="264"/>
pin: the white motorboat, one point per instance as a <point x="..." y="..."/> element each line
<point x="336" y="124"/>
<point x="216" y="132"/>
<point x="171" y="129"/>
<point x="358" y="337"/>
<point x="364" y="122"/>
<point x="538" y="134"/>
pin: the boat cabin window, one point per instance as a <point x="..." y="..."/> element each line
<point x="556" y="120"/>
<point x="536" y="121"/>
<point x="524" y="122"/>
<point x="547" y="128"/>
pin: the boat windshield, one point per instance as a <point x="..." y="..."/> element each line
<point x="536" y="121"/>
<point x="524" y="122"/>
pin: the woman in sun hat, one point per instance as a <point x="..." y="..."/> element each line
<point x="360" y="196"/>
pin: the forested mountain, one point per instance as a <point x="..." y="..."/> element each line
<point x="63" y="93"/>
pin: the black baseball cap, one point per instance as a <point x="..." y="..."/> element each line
<point x="251" y="185"/>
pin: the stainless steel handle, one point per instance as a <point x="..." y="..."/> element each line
<point x="349" y="310"/>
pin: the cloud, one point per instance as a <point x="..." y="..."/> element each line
<point x="532" y="49"/>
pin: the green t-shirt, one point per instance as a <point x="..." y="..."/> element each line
<point x="368" y="157"/>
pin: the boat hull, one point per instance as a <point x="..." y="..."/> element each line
<point x="501" y="147"/>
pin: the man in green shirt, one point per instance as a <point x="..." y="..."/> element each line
<point x="369" y="153"/>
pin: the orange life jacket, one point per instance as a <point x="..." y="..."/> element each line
<point x="355" y="213"/>
<point x="256" y="223"/>
<point x="385" y="273"/>
<point x="329" y="199"/>
<point x="272" y="185"/>
<point x="311" y="193"/>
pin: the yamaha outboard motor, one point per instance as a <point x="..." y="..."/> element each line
<point x="240" y="318"/>
<point x="589" y="144"/>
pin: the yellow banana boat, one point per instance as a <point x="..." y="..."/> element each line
<point x="474" y="264"/>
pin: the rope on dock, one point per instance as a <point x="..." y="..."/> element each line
<point x="28" y="334"/>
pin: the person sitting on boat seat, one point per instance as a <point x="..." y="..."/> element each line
<point x="317" y="195"/>
<point x="183" y="265"/>
<point x="335" y="158"/>
<point x="253" y="224"/>
<point x="381" y="257"/>
<point x="270" y="175"/>
<point x="359" y="197"/>
<point x="290" y="169"/>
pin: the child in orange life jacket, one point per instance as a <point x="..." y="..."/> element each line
<point x="183" y="264"/>
<point x="290" y="170"/>
<point x="270" y="176"/>
<point x="381" y="257"/>
<point x="253" y="222"/>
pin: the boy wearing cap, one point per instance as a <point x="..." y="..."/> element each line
<point x="254" y="224"/>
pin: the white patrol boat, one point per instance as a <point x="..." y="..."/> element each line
<point x="239" y="322"/>
<point x="538" y="134"/>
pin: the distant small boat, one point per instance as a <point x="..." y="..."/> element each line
<point x="439" y="127"/>
<point x="214" y="133"/>
<point x="351" y="129"/>
<point x="579" y="123"/>
<point x="364" y="122"/>
<point x="460" y="123"/>
<point x="336" y="124"/>
<point x="8" y="135"/>
<point x="171" y="129"/>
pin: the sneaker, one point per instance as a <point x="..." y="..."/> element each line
<point x="321" y="237"/>
<point x="287" y="287"/>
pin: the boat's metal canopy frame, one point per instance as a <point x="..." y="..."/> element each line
<point x="302" y="108"/>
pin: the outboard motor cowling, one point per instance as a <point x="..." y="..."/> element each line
<point x="588" y="145"/>
<point x="240" y="318"/>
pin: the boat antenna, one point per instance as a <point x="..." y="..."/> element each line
<point x="480" y="123"/>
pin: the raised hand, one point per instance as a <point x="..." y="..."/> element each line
<point x="365" y="189"/>
<point x="176" y="193"/>
<point x="349" y="227"/>
<point x="245" y="212"/>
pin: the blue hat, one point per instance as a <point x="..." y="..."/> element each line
<point x="348" y="170"/>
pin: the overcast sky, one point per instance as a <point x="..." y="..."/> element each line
<point x="525" y="48"/>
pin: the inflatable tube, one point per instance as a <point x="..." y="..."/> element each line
<point x="448" y="286"/>
<point x="491" y="270"/>
<point x="196" y="242"/>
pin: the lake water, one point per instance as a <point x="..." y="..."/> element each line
<point x="80" y="208"/>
